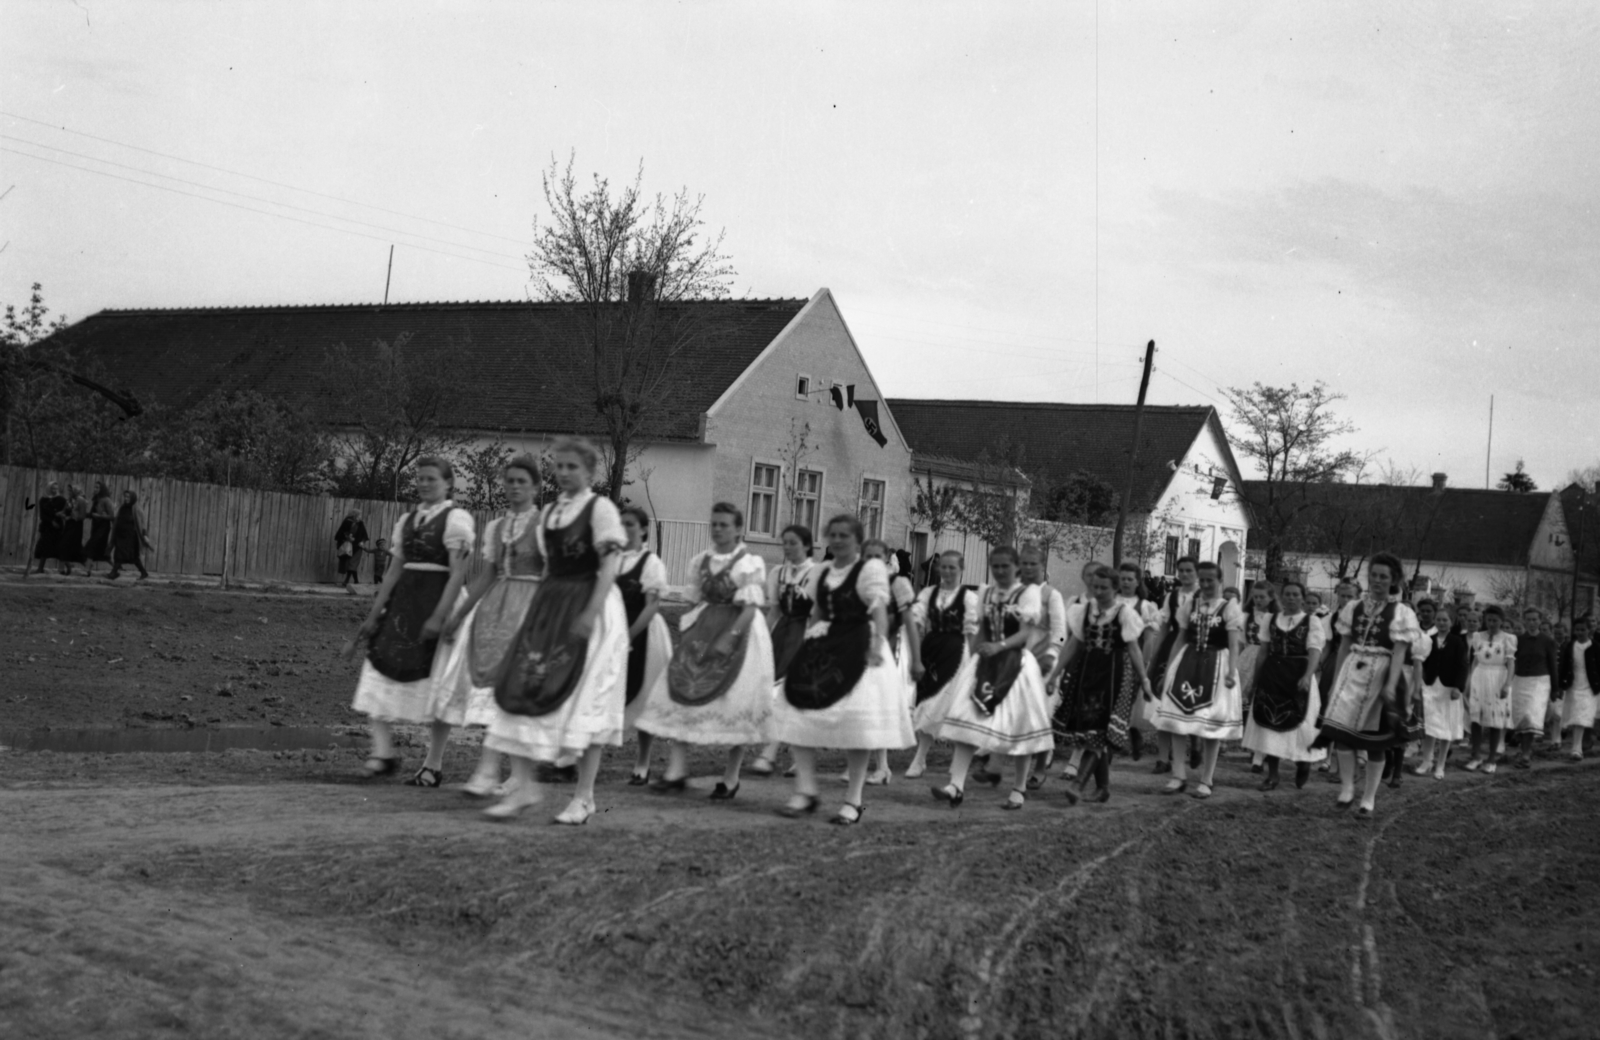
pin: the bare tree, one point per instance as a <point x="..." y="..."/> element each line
<point x="936" y="505"/>
<point x="794" y="453"/>
<point x="629" y="264"/>
<point x="1288" y="432"/>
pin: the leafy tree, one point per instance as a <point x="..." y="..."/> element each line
<point x="32" y="381"/>
<point x="478" y="473"/>
<point x="245" y="439"/>
<point x="1517" y="480"/>
<point x="627" y="263"/>
<point x="1288" y="432"/>
<point x="396" y="405"/>
<point x="1082" y="498"/>
<point x="937" y="506"/>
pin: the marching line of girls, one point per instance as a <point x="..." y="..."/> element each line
<point x="558" y="649"/>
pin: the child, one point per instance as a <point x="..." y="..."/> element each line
<point x="380" y="560"/>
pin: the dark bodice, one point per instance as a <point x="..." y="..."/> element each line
<point x="793" y="601"/>
<point x="1207" y="627"/>
<point x="840" y="603"/>
<point x="1103" y="633"/>
<point x="999" y="624"/>
<point x="1291" y="643"/>
<point x="424" y="542"/>
<point x="952" y="617"/>
<point x="571" y="548"/>
<point x="631" y="584"/>
<point x="1372" y="631"/>
<point x="718" y="589"/>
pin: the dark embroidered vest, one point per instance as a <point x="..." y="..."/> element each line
<point x="424" y="543"/>
<point x="571" y="548"/>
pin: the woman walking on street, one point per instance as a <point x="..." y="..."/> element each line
<point x="72" y="519"/>
<point x="1489" y="689"/>
<point x="1283" y="712"/>
<point x="901" y="599"/>
<point x="482" y="626"/>
<point x="1200" y="695"/>
<point x="129" y="537"/>
<point x="642" y="578"/>
<point x="1535" y="666"/>
<point x="1580" y="670"/>
<point x="788" y="612"/>
<point x="52" y="508"/>
<point x="350" y="540"/>
<point x="843" y="689"/>
<point x="1443" y="676"/>
<point x="563" y="689"/>
<point x="719" y="685"/>
<point x="404" y="664"/>
<point x="101" y="515"/>
<point x="944" y="624"/>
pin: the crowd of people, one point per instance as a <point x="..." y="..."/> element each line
<point x="74" y="530"/>
<point x="558" y="650"/>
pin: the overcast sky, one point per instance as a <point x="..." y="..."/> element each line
<point x="1007" y="199"/>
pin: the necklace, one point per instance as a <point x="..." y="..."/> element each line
<point x="511" y="533"/>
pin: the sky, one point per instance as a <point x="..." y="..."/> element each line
<point x="1008" y="200"/>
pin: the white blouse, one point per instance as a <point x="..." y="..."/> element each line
<point x="1580" y="670"/>
<point x="1079" y="614"/>
<point x="1232" y="616"/>
<point x="749" y="576"/>
<point x="872" y="584"/>
<point x="1027" y="607"/>
<point x="605" y="523"/>
<point x="1316" y="635"/>
<point x="1149" y="610"/>
<point x="1497" y="652"/>
<point x="787" y="574"/>
<point x="654" y="576"/>
<point x="459" y="530"/>
<point x="1403" y="628"/>
<point x="496" y="532"/>
<point x="1262" y="618"/>
<point x="940" y="599"/>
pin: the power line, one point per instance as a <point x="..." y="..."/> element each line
<point x="253" y="177"/>
<point x="987" y="328"/>
<point x="938" y="343"/>
<point x="250" y="209"/>
<point x="256" y="198"/>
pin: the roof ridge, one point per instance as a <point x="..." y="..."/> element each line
<point x="969" y="403"/>
<point x="414" y="305"/>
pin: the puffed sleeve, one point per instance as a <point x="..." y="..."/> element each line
<point x="1132" y="624"/>
<point x="1058" y="618"/>
<point x="1232" y="616"/>
<point x="397" y="537"/>
<point x="1346" y="622"/>
<point x="654" y="576"/>
<point x="922" y="605"/>
<point x="750" y="579"/>
<point x="1151" y="613"/>
<point x="1029" y="607"/>
<point x="872" y="584"/>
<point x="605" y="526"/>
<point x="1511" y="645"/>
<point x="1316" y="635"/>
<point x="973" y="611"/>
<point x="491" y="540"/>
<point x="901" y="593"/>
<point x="460" y="532"/>
<point x="772" y="584"/>
<point x="1074" y="620"/>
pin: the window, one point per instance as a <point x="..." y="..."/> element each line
<point x="871" y="508"/>
<point x="1194" y="548"/>
<point x="808" y="499"/>
<point x="763" y="500"/>
<point x="802" y="388"/>
<point x="1172" y="555"/>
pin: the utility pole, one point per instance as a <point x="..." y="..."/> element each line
<point x="386" y="275"/>
<point x="1489" y="452"/>
<point x="1133" y="455"/>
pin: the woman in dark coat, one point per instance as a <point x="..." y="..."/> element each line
<point x="101" y="515"/>
<point x="51" y="509"/>
<point x="71" y="545"/>
<point x="129" y="537"/>
<point x="350" y="541"/>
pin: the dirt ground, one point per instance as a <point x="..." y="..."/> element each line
<point x="256" y="894"/>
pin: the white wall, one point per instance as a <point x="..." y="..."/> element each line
<point x="1186" y="508"/>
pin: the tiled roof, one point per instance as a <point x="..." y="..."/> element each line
<point x="1057" y="440"/>
<point x="1583" y="524"/>
<point x="513" y="359"/>
<point x="1456" y="525"/>
<point x="943" y="466"/>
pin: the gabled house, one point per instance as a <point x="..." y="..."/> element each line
<point x="772" y="407"/>
<point x="1182" y="500"/>
<point x="1500" y="547"/>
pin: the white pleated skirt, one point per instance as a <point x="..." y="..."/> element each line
<point x="592" y="716"/>
<point x="657" y="655"/>
<point x="1222" y="719"/>
<point x="1442" y="717"/>
<point x="1530" y="702"/>
<point x="1485" y="705"/>
<point x="874" y="714"/>
<point x="1021" y="724"/>
<point x="1289" y="745"/>
<point x="1577" y="708"/>
<point x="739" y="716"/>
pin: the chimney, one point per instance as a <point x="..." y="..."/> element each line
<point x="1438" y="481"/>
<point x="641" y="286"/>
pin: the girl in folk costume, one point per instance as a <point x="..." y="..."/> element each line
<point x="432" y="544"/>
<point x="481" y="629"/>
<point x="1103" y="679"/>
<point x="1536" y="664"/>
<point x="1158" y="646"/>
<point x="945" y="630"/>
<point x="901" y="599"/>
<point x="1441" y="677"/>
<point x="1283" y="713"/>
<point x="1579" y="671"/>
<point x="1365" y="711"/>
<point x="1048" y="642"/>
<point x="719" y="685"/>
<point x="788" y="613"/>
<point x="1489" y="688"/>
<point x="1200" y="693"/>
<point x="642" y="578"/>
<point x="1086" y="575"/>
<point x="1262" y="606"/>
<point x="1131" y="589"/>
<point x="843" y="689"/>
<point x="997" y="703"/>
<point x="563" y="686"/>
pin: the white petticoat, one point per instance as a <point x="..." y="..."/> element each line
<point x="874" y="714"/>
<point x="1577" y="708"/>
<point x="1485" y="705"/>
<point x="1222" y="719"/>
<point x="1020" y="725"/>
<point x="1442" y="717"/>
<point x="591" y="715"/>
<point x="1291" y="745"/>
<point x="739" y="716"/>
<point x="657" y="655"/>
<point x="1530" y="701"/>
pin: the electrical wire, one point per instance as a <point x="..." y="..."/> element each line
<point x="253" y="177"/>
<point x="250" y="209"/>
<point x="1003" y="332"/>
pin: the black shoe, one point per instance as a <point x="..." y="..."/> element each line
<point x="1101" y="794"/>
<point x="1269" y="784"/>
<point x="723" y="793"/>
<point x="795" y="812"/>
<point x="384" y="767"/>
<point x="425" y="777"/>
<point x="1035" y="781"/>
<point x="1136" y="744"/>
<point x="1194" y="758"/>
<point x="661" y="785"/>
<point x="1342" y="804"/>
<point x="944" y="795"/>
<point x="1302" y="773"/>
<point x="1162" y="767"/>
<point x="983" y="776"/>
<point x="638" y="780"/>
